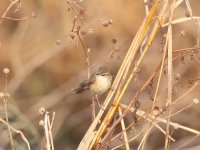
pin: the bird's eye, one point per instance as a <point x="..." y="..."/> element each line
<point x="103" y="74"/>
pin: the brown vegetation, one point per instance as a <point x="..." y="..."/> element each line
<point x="49" y="47"/>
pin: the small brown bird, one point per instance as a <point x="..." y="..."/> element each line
<point x="98" y="83"/>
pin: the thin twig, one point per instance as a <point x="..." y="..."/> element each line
<point x="175" y="125"/>
<point x="6" y="111"/>
<point x="50" y="124"/>
<point x="48" y="145"/>
<point x="7" y="10"/>
<point x="17" y="131"/>
<point x="186" y="93"/>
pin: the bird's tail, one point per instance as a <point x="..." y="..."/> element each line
<point x="84" y="86"/>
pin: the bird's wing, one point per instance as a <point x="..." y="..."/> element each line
<point x="92" y="78"/>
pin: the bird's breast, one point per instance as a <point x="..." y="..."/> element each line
<point x="101" y="84"/>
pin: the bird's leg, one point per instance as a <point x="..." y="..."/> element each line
<point x="100" y="106"/>
<point x="93" y="108"/>
<point x="112" y="89"/>
<point x="96" y="98"/>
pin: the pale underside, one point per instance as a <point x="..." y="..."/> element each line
<point x="101" y="84"/>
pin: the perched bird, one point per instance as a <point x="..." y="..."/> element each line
<point x="98" y="83"/>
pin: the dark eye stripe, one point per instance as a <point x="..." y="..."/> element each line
<point x="104" y="74"/>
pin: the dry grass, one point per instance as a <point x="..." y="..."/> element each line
<point x="50" y="48"/>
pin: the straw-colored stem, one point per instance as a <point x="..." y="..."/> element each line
<point x="124" y="130"/>
<point x="169" y="99"/>
<point x="86" y="141"/>
<point x="134" y="48"/>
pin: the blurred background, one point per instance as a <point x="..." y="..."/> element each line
<point x="45" y="45"/>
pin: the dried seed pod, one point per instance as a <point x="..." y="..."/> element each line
<point x="110" y="21"/>
<point x="82" y="12"/>
<point x="177" y="76"/>
<point x="42" y="110"/>
<point x="105" y="23"/>
<point x="58" y="42"/>
<point x="41" y="123"/>
<point x="187" y="14"/>
<point x="2" y="95"/>
<point x="114" y="41"/>
<point x="6" y="70"/>
<point x="72" y="35"/>
<point x="156" y="111"/>
<point x="83" y="32"/>
<point x="33" y="14"/>
<point x="196" y="100"/>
